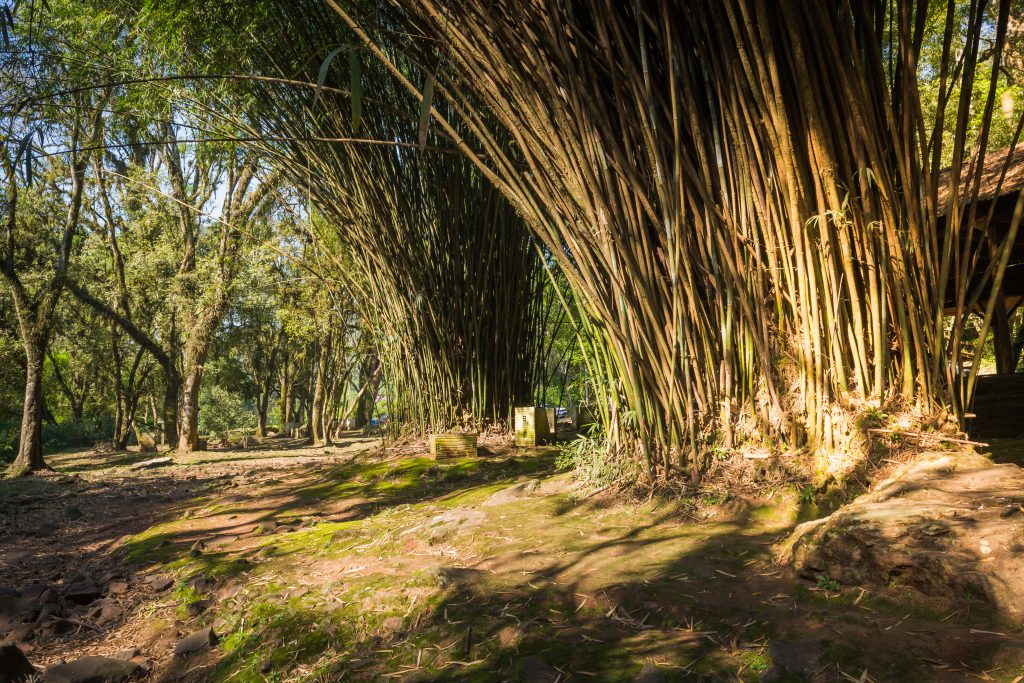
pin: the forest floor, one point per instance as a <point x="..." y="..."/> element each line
<point x="359" y="563"/>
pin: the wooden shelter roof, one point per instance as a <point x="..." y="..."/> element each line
<point x="1010" y="158"/>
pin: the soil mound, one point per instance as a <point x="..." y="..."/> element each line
<point x="949" y="525"/>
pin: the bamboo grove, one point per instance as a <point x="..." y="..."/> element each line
<point x="746" y="206"/>
<point x="452" y="284"/>
<point x="767" y="228"/>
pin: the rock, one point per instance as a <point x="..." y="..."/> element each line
<point x="82" y="593"/>
<point x="201" y="583"/>
<point x="91" y="669"/>
<point x="228" y="592"/>
<point x="144" y="663"/>
<point x="536" y="670"/>
<point x="200" y="640"/>
<point x="267" y="526"/>
<point x="109" y="613"/>
<point x="650" y="674"/>
<point x="127" y="654"/>
<point x="160" y="583"/>
<point x="930" y="526"/>
<point x="449" y="522"/>
<point x="514" y="492"/>
<point x="56" y="627"/>
<point x="197" y="607"/>
<point x="20" y="634"/>
<point x="797" y="657"/>
<point x="117" y="588"/>
<point x="14" y="665"/>
<point x="151" y="463"/>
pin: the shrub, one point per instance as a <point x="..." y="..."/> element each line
<point x="71" y="434"/>
<point x="596" y="463"/>
<point x="8" y="442"/>
<point x="221" y="411"/>
<point x="56" y="437"/>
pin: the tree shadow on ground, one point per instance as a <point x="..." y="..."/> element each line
<point x="705" y="613"/>
<point x="599" y="610"/>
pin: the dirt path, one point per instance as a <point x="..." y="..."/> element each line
<point x="343" y="565"/>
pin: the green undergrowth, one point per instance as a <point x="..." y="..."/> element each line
<point x="415" y="479"/>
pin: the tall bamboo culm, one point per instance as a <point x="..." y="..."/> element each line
<point x="744" y="195"/>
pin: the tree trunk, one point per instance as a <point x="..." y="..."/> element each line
<point x="188" y="418"/>
<point x="286" y="391"/>
<point x="172" y="385"/>
<point x="370" y="378"/>
<point x="261" y="411"/>
<point x="319" y="419"/>
<point x="30" y="448"/>
<point x="1002" y="341"/>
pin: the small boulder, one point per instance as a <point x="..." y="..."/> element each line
<point x="91" y="669"/>
<point x="82" y="593"/>
<point x="20" y="634"/>
<point x="514" y="492"/>
<point x="55" y="627"/>
<point x="197" y="607"/>
<point x="127" y="654"/>
<point x="449" y="522"/>
<point x="14" y="665"/>
<point x="201" y="583"/>
<point x="109" y="613"/>
<point x="117" y="587"/>
<point x="196" y="642"/>
<point x="267" y="526"/>
<point x="160" y="583"/>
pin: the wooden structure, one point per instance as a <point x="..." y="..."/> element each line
<point x="531" y="426"/>
<point x="452" y="446"/>
<point x="147" y="440"/>
<point x="997" y="190"/>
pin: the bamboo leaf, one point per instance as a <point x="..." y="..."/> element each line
<point x="24" y="155"/>
<point x="324" y="68"/>
<point x="425" y="106"/>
